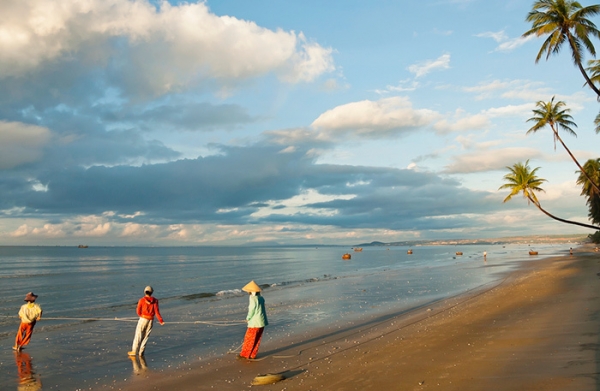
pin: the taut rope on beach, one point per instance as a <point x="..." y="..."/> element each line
<point x="135" y="319"/>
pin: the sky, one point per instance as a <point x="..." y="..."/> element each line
<point x="235" y="122"/>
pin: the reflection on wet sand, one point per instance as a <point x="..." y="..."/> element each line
<point x="139" y="364"/>
<point x="28" y="379"/>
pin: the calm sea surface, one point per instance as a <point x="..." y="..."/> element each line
<point x="306" y="288"/>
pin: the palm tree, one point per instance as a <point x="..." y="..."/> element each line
<point x="565" y="21"/>
<point x="557" y="117"/>
<point x="523" y="179"/>
<point x="594" y="69"/>
<point x="592" y="168"/>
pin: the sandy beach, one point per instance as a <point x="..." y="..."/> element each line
<point x="538" y="329"/>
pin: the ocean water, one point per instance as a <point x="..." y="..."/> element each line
<point x="89" y="297"/>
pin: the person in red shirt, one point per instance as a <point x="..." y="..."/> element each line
<point x="147" y="308"/>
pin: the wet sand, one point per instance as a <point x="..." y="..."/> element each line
<point x="538" y="329"/>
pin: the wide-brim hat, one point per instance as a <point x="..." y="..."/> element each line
<point x="251" y="287"/>
<point x="30" y="296"/>
<point x="148" y="289"/>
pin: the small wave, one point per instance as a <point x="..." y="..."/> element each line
<point x="308" y="280"/>
<point x="229" y="292"/>
<point x="237" y="292"/>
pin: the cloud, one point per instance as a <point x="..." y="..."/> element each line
<point x="514" y="43"/>
<point x="509" y="89"/>
<point x="179" y="115"/>
<point x="308" y="63"/>
<point x="21" y="143"/>
<point x="499" y="36"/>
<point x="125" y="39"/>
<point x="280" y="188"/>
<point x="510" y="111"/>
<point x="298" y="136"/>
<point x="505" y="44"/>
<point x="423" y="68"/>
<point x="403" y="86"/>
<point x="373" y="119"/>
<point x="472" y="122"/>
<point x="489" y="160"/>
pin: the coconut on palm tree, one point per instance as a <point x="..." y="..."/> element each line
<point x="556" y="116"/>
<point x="522" y="179"/>
<point x="565" y="21"/>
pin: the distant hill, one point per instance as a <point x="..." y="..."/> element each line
<point x="508" y="240"/>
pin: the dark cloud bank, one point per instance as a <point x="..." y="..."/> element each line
<point x="228" y="187"/>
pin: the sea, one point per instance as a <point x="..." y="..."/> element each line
<point x="89" y="296"/>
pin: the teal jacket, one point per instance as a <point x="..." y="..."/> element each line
<point x="257" y="316"/>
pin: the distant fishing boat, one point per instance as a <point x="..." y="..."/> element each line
<point x="82" y="246"/>
<point x="357" y="249"/>
<point x="409" y="252"/>
<point x="346" y="256"/>
<point x="531" y="252"/>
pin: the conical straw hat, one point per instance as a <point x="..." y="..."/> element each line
<point x="251" y="287"/>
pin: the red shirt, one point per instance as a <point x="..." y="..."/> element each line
<point x="147" y="308"/>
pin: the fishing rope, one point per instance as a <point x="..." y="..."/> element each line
<point x="238" y="322"/>
<point x="213" y="322"/>
<point x="89" y="319"/>
<point x="135" y="319"/>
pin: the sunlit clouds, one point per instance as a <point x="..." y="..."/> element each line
<point x="142" y="122"/>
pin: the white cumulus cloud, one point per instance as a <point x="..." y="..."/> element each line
<point x="490" y="159"/>
<point x="374" y="119"/>
<point x="166" y="47"/>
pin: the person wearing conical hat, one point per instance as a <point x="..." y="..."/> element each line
<point x="257" y="320"/>
<point x="147" y="309"/>
<point x="29" y="314"/>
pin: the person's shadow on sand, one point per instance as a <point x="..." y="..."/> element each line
<point x="28" y="379"/>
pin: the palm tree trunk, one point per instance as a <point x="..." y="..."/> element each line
<point x="559" y="219"/>
<point x="587" y="79"/>
<point x="576" y="162"/>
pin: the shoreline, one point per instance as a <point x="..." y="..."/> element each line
<point x="535" y="330"/>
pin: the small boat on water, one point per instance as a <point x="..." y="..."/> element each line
<point x="82" y="246"/>
<point x="409" y="252"/>
<point x="531" y="252"/>
<point x="346" y="256"/>
<point x="357" y="249"/>
<point x="459" y="253"/>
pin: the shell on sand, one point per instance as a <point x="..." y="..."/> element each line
<point x="269" y="378"/>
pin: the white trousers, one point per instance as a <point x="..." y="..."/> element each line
<point x="142" y="332"/>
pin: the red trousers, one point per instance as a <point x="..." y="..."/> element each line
<point x="24" y="334"/>
<point x="251" y="342"/>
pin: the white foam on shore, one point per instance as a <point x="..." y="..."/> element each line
<point x="229" y="292"/>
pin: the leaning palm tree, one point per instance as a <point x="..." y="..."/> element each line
<point x="557" y="116"/>
<point x="523" y="179"/>
<point x="594" y="70"/>
<point x="565" y="21"/>
<point x="592" y="170"/>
